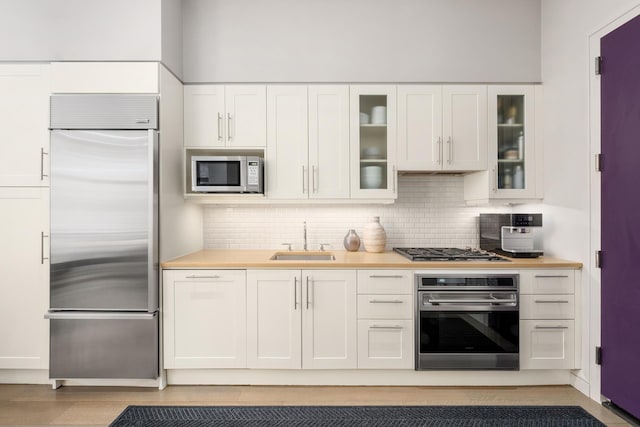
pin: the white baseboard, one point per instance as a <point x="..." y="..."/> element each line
<point x="579" y="384"/>
<point x="24" y="376"/>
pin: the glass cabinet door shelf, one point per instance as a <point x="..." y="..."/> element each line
<point x="373" y="143"/>
<point x="511" y="141"/>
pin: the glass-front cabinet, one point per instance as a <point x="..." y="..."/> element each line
<point x="514" y="155"/>
<point x="373" y="142"/>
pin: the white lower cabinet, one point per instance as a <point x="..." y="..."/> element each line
<point x="301" y="319"/>
<point x="548" y="337"/>
<point x="204" y="314"/>
<point x="385" y="319"/>
<point x="24" y="268"/>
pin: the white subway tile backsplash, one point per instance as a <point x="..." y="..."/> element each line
<point x="430" y="211"/>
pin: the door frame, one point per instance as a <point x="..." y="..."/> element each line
<point x="594" y="290"/>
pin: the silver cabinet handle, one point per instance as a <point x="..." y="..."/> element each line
<point x="316" y="183"/>
<point x="450" y="157"/>
<point x="541" y="301"/>
<point x="395" y="177"/>
<point x="199" y="276"/>
<point x="219" y="126"/>
<point x="551" y="327"/>
<point x="383" y="276"/>
<point x="382" y="301"/>
<point x="385" y="327"/>
<point x="307" y="292"/>
<point x="295" y="293"/>
<point x="229" y="136"/>
<point x="495" y="179"/>
<point x="439" y="149"/>
<point x="303" y="188"/>
<point x="542" y="276"/>
<point x="42" y="154"/>
<point x="42" y="257"/>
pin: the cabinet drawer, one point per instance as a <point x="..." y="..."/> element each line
<point x="208" y="275"/>
<point x="385" y="282"/>
<point x="547" y="281"/>
<point x="385" y="344"/>
<point x="385" y="306"/>
<point x="547" y="306"/>
<point x="547" y="344"/>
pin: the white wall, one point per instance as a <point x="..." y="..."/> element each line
<point x="361" y="41"/>
<point x="430" y="211"/>
<point x="172" y="36"/>
<point x="43" y="30"/>
<point x="566" y="27"/>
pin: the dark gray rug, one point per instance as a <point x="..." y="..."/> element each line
<point x="370" y="416"/>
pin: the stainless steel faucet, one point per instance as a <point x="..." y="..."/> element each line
<point x="305" y="236"/>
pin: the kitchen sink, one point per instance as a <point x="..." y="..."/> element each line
<point x="303" y="256"/>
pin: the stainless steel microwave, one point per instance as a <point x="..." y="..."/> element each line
<point x="227" y="174"/>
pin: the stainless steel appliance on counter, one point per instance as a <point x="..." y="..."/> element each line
<point x="104" y="237"/>
<point x="515" y="235"/>
<point x="467" y="321"/>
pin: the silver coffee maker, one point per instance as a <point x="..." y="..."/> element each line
<point x="514" y="235"/>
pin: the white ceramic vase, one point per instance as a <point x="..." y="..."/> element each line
<point x="374" y="236"/>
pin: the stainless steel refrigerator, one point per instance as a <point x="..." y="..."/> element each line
<point x="104" y="237"/>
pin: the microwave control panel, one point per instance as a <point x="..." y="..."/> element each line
<point x="253" y="173"/>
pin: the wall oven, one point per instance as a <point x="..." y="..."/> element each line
<point x="467" y="322"/>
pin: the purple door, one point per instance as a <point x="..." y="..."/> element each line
<point x="620" y="103"/>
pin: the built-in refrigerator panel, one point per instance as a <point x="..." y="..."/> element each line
<point x="103" y="223"/>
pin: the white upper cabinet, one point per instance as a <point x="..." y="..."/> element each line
<point x="329" y="141"/>
<point x="307" y="142"/>
<point x="419" y="128"/>
<point x="442" y="127"/>
<point x="514" y="158"/>
<point x="225" y="116"/>
<point x="24" y="123"/>
<point x="287" y="165"/>
<point x="105" y="77"/>
<point x="373" y="142"/>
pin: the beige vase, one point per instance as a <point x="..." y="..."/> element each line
<point x="374" y="237"/>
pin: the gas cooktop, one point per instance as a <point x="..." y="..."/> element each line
<point x="448" y="254"/>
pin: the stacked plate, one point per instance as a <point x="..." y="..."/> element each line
<point x="371" y="176"/>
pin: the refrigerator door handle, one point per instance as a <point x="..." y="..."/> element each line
<point x="89" y="315"/>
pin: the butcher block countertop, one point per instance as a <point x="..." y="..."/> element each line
<point x="240" y="259"/>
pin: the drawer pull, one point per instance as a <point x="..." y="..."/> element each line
<point x="551" y="327"/>
<point x="542" y="301"/>
<point x="382" y="276"/>
<point x="384" y="301"/>
<point x="385" y="327"/>
<point x="542" y="276"/>
<point x="197" y="276"/>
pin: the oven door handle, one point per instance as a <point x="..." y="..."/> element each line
<point x="471" y="301"/>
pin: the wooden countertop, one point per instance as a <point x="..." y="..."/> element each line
<point x="228" y="258"/>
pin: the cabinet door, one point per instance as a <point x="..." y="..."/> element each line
<point x="385" y="344"/>
<point x="547" y="344"/>
<point x="373" y="142"/>
<point x="287" y="143"/>
<point x="329" y="141"/>
<point x="329" y="319"/>
<point x="464" y="127"/>
<point x="24" y="123"/>
<point x="246" y="115"/>
<point x="204" y="116"/>
<point x="24" y="333"/>
<point x="204" y="319"/>
<point x="419" y="128"/>
<point x="511" y="141"/>
<point x="274" y="319"/>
